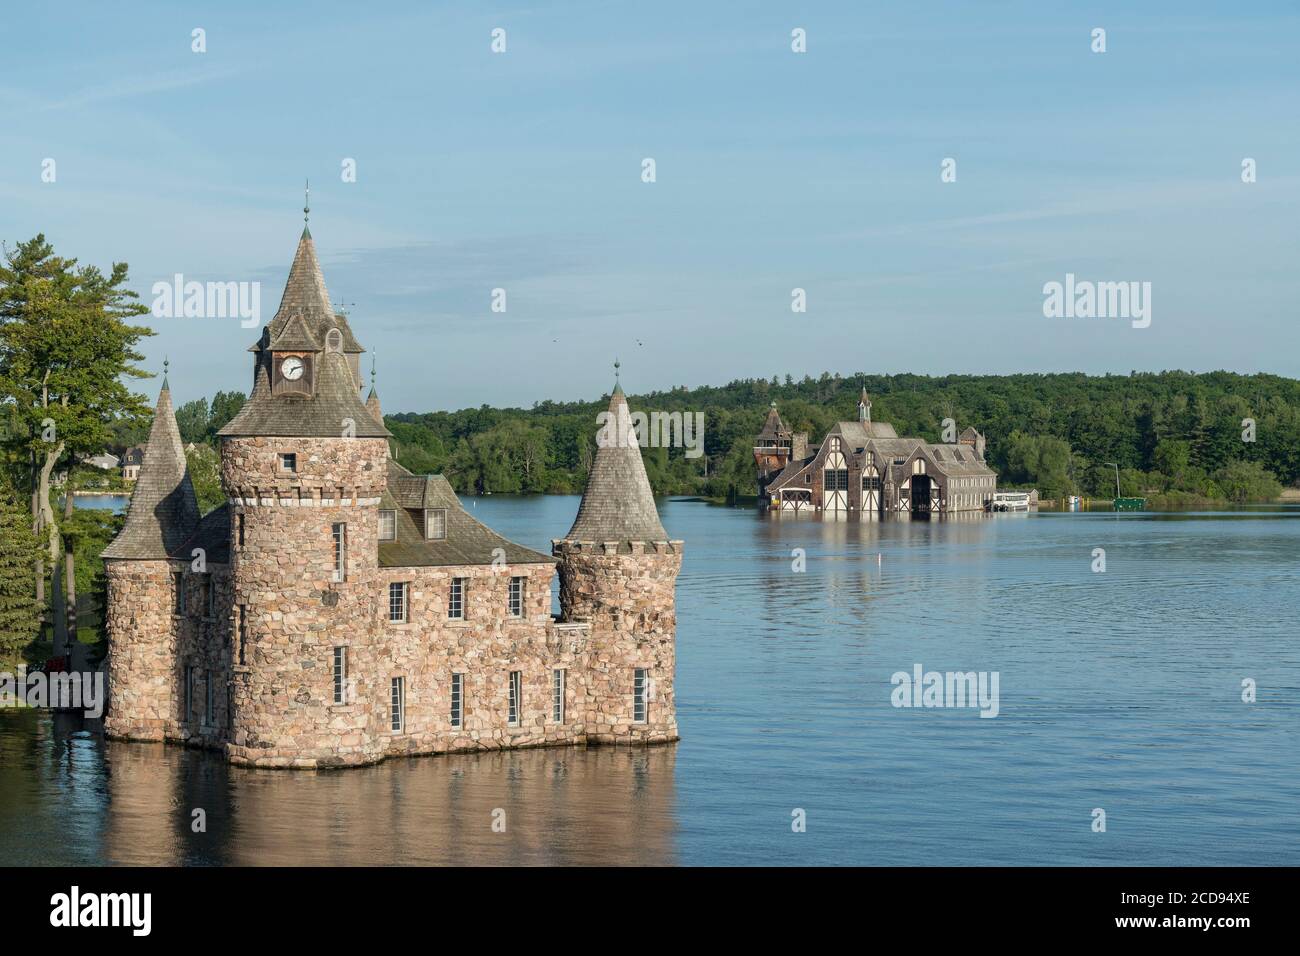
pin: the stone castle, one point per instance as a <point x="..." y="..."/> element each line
<point x="338" y="609"/>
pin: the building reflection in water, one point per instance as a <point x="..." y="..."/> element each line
<point x="563" y="806"/>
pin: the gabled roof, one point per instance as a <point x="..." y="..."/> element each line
<point x="617" y="504"/>
<point x="321" y="414"/>
<point x="163" y="511"/>
<point x="468" y="541"/>
<point x="294" y="336"/>
<point x="858" y="434"/>
<point x="957" y="461"/>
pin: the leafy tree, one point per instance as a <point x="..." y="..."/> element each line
<point x="20" y="548"/>
<point x="205" y="473"/>
<point x="65" y="347"/>
<point x="225" y="406"/>
<point x="192" y="421"/>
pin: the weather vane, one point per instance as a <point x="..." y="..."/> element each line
<point x="616" y="367"/>
<point x="306" y="203"/>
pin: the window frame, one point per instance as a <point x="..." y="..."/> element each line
<point x="516" y="595"/>
<point x="388" y="515"/>
<point x="339" y="671"/>
<point x="640" y="695"/>
<point x="397" y="704"/>
<point x="442" y="513"/>
<point x="403" y="589"/>
<point x="339" y="534"/>
<point x="559" y="687"/>
<point x="287" y="462"/>
<point x="457" y="714"/>
<point x="515" y="699"/>
<point x="457" y="591"/>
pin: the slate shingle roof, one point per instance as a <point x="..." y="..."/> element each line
<point x="163" y="511"/>
<point x="318" y="415"/>
<point x="617" y="504"/>
<point x="468" y="540"/>
<point x="305" y="296"/>
<point x="212" y="535"/>
<point x="774" y="427"/>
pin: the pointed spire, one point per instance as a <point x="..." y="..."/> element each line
<point x="305" y="288"/>
<point x="164" y="511"/>
<point x="372" y="400"/>
<point x="864" y="406"/>
<point x="166" y="363"/>
<point x="617" y="504"/>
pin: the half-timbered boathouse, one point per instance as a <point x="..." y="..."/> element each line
<point x="864" y="468"/>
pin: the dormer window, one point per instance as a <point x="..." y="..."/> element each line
<point x="435" y="523"/>
<point x="387" y="525"/>
<point x="288" y="461"/>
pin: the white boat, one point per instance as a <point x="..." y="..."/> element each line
<point x="1010" y="501"/>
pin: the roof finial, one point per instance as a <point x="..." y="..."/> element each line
<point x="372" y="370"/>
<point x="166" y="363"/>
<point x="616" y="368"/>
<point x="306" y="203"/>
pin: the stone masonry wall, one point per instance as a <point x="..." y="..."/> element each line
<point x="268" y="645"/>
<point x="630" y="601"/>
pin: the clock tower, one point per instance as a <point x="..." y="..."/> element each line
<point x="304" y="466"/>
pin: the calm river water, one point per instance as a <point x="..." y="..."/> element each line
<point x="1119" y="690"/>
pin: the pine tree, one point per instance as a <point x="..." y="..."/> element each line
<point x="20" y="612"/>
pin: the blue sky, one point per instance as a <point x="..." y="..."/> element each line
<point x="775" y="170"/>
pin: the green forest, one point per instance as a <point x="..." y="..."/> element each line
<point x="1177" y="437"/>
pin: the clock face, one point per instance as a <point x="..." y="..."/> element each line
<point x="291" y="368"/>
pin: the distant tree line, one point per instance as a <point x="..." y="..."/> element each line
<point x="1176" y="436"/>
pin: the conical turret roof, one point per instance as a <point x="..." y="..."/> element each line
<point x="774" y="427"/>
<point x="164" y="511"/>
<point x="617" y="504"/>
<point x="305" y="315"/>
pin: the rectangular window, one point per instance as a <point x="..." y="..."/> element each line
<point x="387" y="525"/>
<point x="340" y="675"/>
<point x="288" y="461"/>
<point x="242" y="611"/>
<point x="397" y="704"/>
<point x="456" y="600"/>
<point x="239" y="529"/>
<point x="557" y="695"/>
<point x="640" y="677"/>
<point x="189" y="691"/>
<point x="457" y="699"/>
<point x="516" y="597"/>
<point x="435" y="523"/>
<point x="397" y="602"/>
<point x="209" y="594"/>
<point x="210" y="703"/>
<point x="340" y="551"/>
<point x="230" y="707"/>
<point x="178" y="579"/>
<point x="516" y="697"/>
